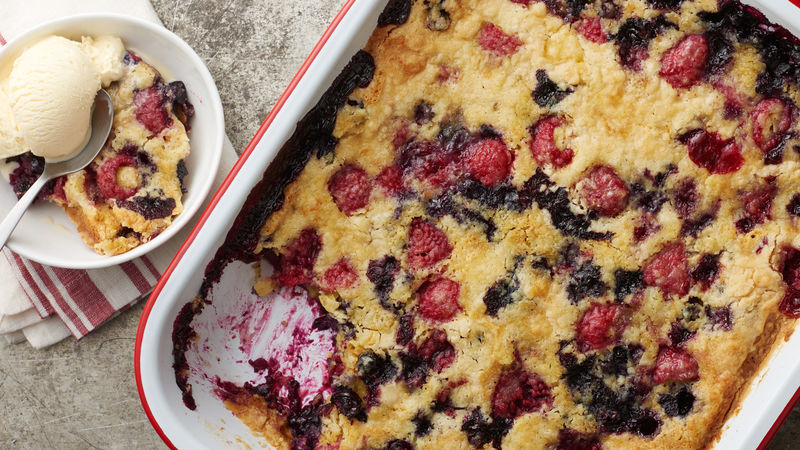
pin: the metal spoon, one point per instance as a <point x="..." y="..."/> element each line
<point x="102" y="117"/>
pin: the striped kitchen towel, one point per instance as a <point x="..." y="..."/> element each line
<point x="43" y="304"/>
<point x="83" y="299"/>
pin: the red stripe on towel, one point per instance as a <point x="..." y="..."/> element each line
<point x="85" y="295"/>
<point x="63" y="309"/>
<point x="136" y="276"/>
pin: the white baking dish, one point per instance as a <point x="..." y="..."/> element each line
<point x="770" y="397"/>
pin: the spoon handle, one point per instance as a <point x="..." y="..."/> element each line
<point x="10" y="222"/>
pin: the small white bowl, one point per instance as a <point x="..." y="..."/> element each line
<point x="45" y="234"/>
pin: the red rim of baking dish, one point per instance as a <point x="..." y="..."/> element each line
<point x="213" y="203"/>
<point x="224" y="187"/>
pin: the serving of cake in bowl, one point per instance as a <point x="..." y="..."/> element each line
<point x="140" y="184"/>
<point x="133" y="189"/>
<point x="517" y="224"/>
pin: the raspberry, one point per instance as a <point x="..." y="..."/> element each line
<point x="790" y="267"/>
<point x="340" y="275"/>
<point x="489" y="161"/>
<point x="107" y="177"/>
<point x="592" y="30"/>
<point x="438" y="299"/>
<point x="772" y="118"/>
<point x="675" y="365"/>
<point x="390" y="179"/>
<point x="150" y="109"/>
<point x="350" y="188"/>
<point x="543" y="145"/>
<point x="296" y="264"/>
<point x="603" y="191"/>
<point x="427" y="245"/>
<point x="668" y="270"/>
<point x="757" y="206"/>
<point x="790" y="304"/>
<point x="684" y="64"/>
<point x="600" y="326"/>
<point x="438" y="351"/>
<point x="519" y="392"/>
<point x="710" y="151"/>
<point x="496" y="42"/>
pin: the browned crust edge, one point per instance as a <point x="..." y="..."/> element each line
<point x="759" y="357"/>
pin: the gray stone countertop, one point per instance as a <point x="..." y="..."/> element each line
<point x="82" y="395"/>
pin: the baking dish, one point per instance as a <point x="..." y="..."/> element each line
<point x="772" y="387"/>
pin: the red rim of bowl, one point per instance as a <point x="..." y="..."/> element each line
<point x="213" y="203"/>
<point x="224" y="187"/>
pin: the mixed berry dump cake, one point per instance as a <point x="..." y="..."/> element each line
<point x="531" y="224"/>
<point x="133" y="189"/>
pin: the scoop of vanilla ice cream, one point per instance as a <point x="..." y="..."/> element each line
<point x="11" y="141"/>
<point x="106" y="53"/>
<point x="46" y="101"/>
<point x="52" y="89"/>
